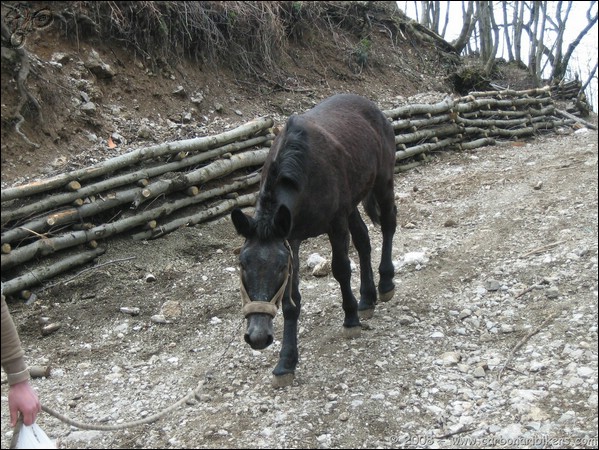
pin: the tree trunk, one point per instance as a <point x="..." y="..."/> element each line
<point x="559" y="70"/>
<point x="506" y="32"/>
<point x="490" y="61"/>
<point x="518" y="25"/>
<point x="469" y="22"/>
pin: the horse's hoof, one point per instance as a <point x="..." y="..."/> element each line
<point x="352" y="332"/>
<point x="366" y="313"/>
<point x="280" y="381"/>
<point x="386" y="296"/>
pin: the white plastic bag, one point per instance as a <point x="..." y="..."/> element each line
<point x="31" y="436"/>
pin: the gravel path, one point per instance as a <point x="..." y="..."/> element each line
<point x="490" y="341"/>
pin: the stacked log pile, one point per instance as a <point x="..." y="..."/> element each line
<point x="128" y="193"/>
<point x="473" y="121"/>
<point x="566" y="90"/>
<point x="155" y="190"/>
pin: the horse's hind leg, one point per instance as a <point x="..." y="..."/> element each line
<point x="339" y="238"/>
<point x="386" y="200"/>
<point x="359" y="234"/>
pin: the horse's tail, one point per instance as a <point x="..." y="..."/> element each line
<point x="372" y="208"/>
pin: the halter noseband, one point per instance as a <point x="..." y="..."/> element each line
<point x="250" y="306"/>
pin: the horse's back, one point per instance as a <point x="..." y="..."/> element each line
<point x="326" y="161"/>
<point x="339" y="112"/>
<point x="351" y="129"/>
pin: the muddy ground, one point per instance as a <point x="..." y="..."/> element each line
<point x="490" y="341"/>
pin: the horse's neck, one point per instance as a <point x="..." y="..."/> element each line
<point x="283" y="195"/>
<point x="288" y="196"/>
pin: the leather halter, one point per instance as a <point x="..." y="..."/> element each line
<point x="270" y="307"/>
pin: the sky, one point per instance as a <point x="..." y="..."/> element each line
<point x="584" y="57"/>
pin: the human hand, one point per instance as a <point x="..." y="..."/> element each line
<point x="22" y="398"/>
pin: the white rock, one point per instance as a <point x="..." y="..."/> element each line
<point x="568" y="416"/>
<point x="435" y="409"/>
<point x="592" y="400"/>
<point x="479" y="372"/>
<point x="414" y="258"/>
<point x="450" y="358"/>
<point x="585" y="372"/>
<point x="511" y="432"/>
<point x="314" y="259"/>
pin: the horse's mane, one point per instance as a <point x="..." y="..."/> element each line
<point x="287" y="169"/>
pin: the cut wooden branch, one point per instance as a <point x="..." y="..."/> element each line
<point x="411" y="110"/>
<point x="210" y="213"/>
<point x="414" y="124"/>
<point x="524" y="340"/>
<point x="73" y="186"/>
<point x="113" y="200"/>
<point x="55" y="201"/>
<point x="37" y="276"/>
<point x="417" y="149"/>
<point x="540" y="92"/>
<point x="447" y="130"/>
<point x="576" y="119"/>
<point x="44" y="247"/>
<point x="213" y="170"/>
<point x="476" y="143"/>
<point x="69" y="215"/>
<point x="541" y="249"/>
<point x="527" y="112"/>
<point x="493" y="123"/>
<point x="487" y="103"/>
<point x="127" y="159"/>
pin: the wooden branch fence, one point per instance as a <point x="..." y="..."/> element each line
<point x="155" y="190"/>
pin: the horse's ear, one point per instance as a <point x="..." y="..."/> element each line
<point x="282" y="222"/>
<point x="242" y="222"/>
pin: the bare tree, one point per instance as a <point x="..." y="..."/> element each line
<point x="469" y="22"/>
<point x="506" y="32"/>
<point x="518" y="26"/>
<point x="490" y="61"/>
<point x="546" y="53"/>
<point x="431" y="13"/>
<point x="537" y="33"/>
<point x="561" y="62"/>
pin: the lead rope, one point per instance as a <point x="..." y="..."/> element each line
<point x="90" y="426"/>
<point x="150" y="419"/>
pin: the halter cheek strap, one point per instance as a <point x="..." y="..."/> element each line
<point x="259" y="307"/>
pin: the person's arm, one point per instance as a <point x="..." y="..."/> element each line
<point x="21" y="396"/>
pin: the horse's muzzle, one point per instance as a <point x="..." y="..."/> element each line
<point x="259" y="333"/>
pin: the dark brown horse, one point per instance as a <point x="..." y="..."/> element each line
<point x="320" y="167"/>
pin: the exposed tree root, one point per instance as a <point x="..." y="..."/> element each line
<point x="25" y="96"/>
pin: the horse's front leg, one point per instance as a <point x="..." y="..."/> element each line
<point x="342" y="272"/>
<point x="284" y="372"/>
<point x="359" y="234"/>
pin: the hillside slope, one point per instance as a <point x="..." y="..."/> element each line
<point x="90" y="87"/>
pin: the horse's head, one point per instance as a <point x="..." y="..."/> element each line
<point x="266" y="265"/>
